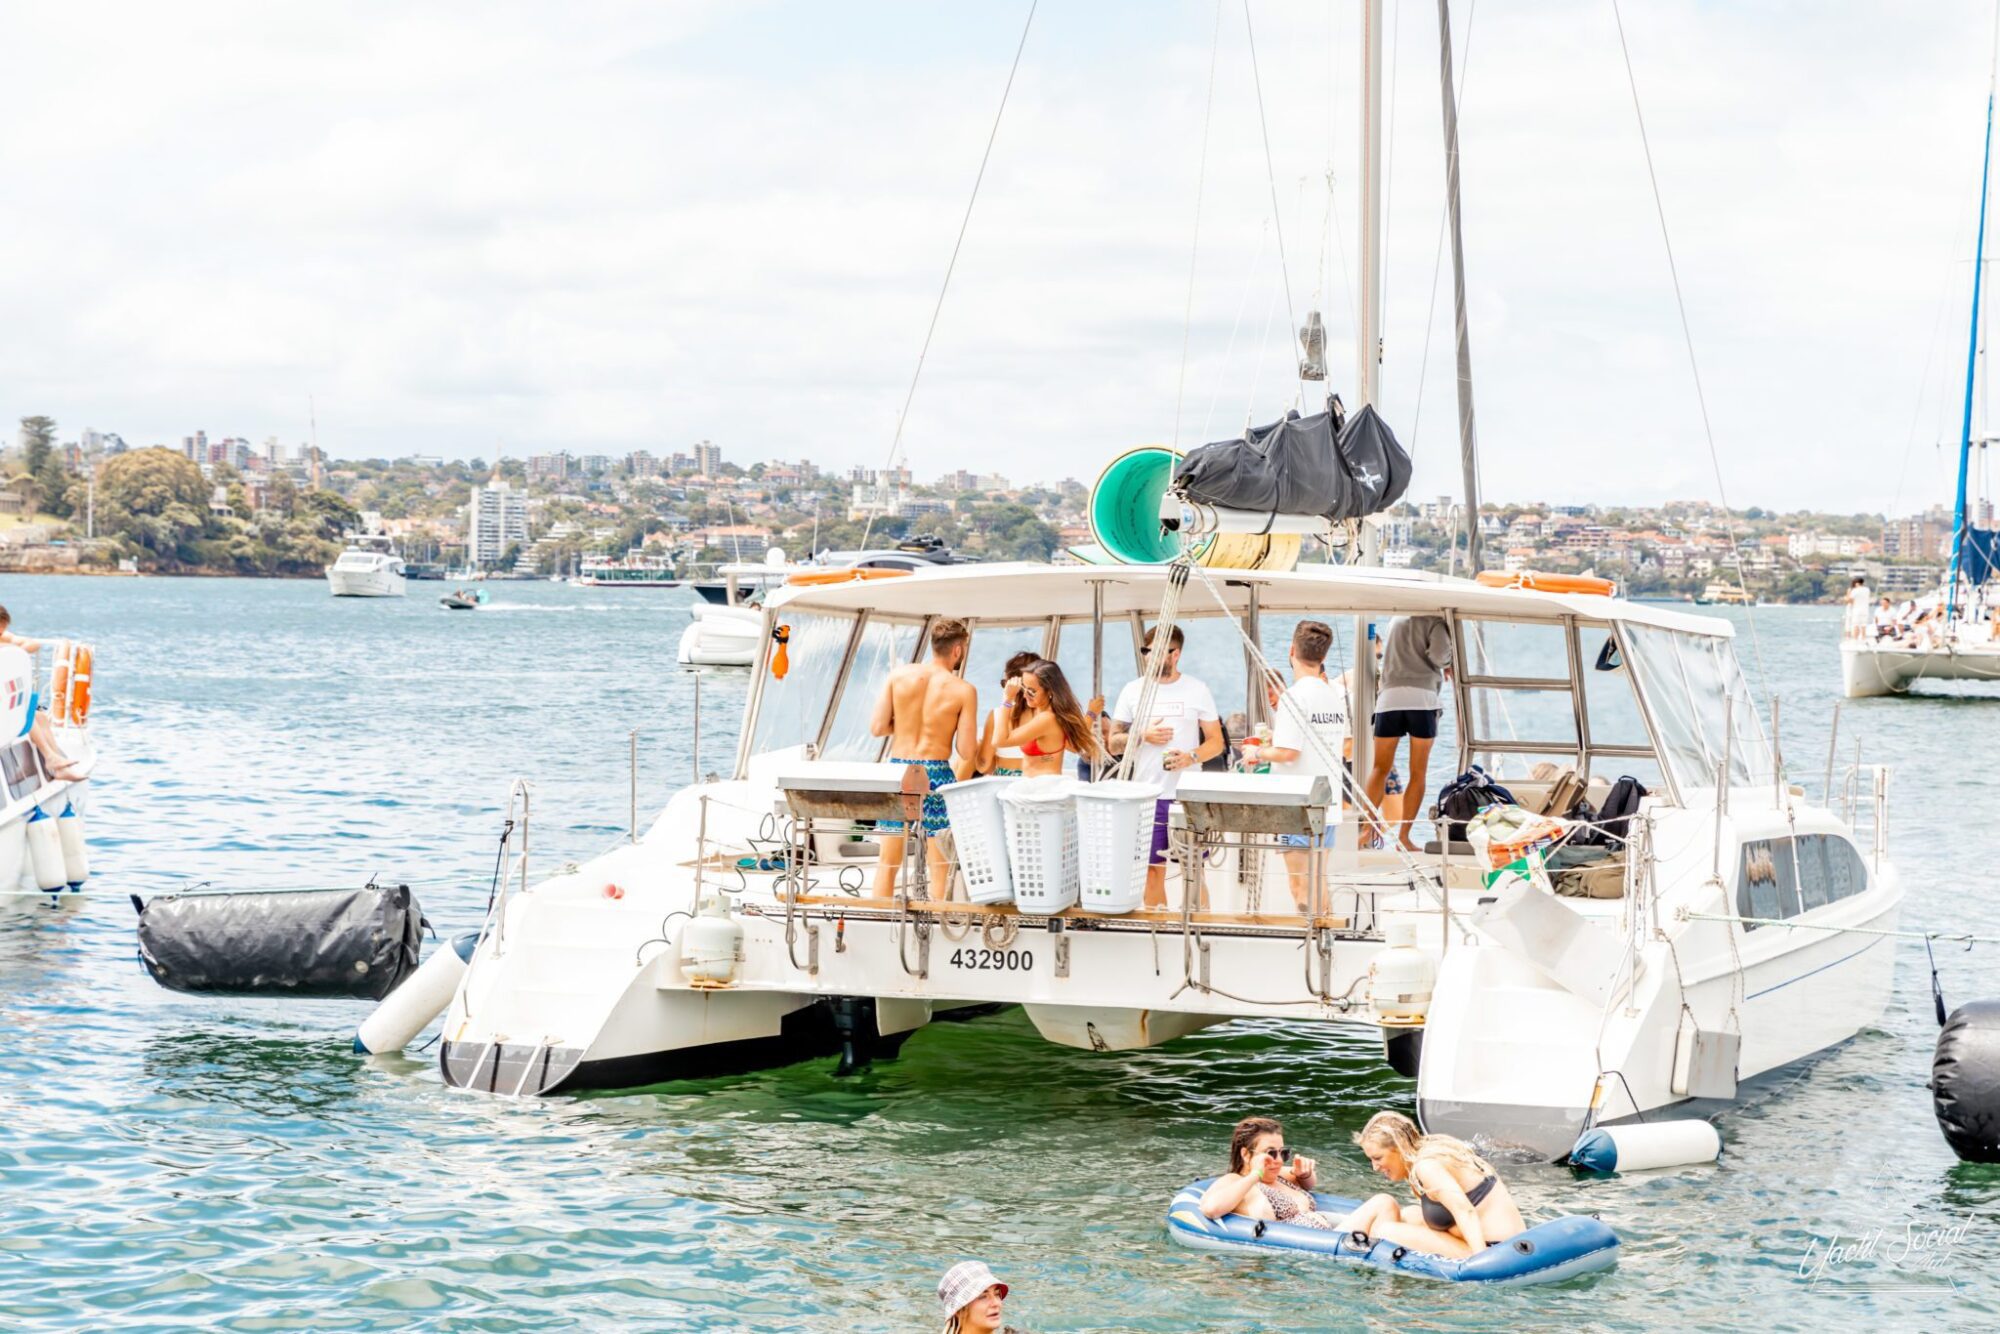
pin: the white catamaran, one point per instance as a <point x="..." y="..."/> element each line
<point x="1544" y="1006"/>
<point x="1725" y="933"/>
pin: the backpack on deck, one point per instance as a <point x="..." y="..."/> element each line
<point x="1464" y="797"/>
<point x="1609" y="825"/>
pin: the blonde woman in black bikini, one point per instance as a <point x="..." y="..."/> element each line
<point x="1462" y="1204"/>
<point x="1054" y="722"/>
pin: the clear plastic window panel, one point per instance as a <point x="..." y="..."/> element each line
<point x="791" y="710"/>
<point x="1750" y="761"/>
<point x="1120" y="663"/>
<point x="884" y="645"/>
<point x="993" y="645"/>
<point x="1657" y="663"/>
<point x="1615" y="719"/>
<point x="1515" y="649"/>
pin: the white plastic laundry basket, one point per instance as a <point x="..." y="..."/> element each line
<point x="980" y="833"/>
<point x="1041" y="842"/>
<point x="1114" y="827"/>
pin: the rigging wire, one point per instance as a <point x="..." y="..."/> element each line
<point x="1437" y="259"/>
<point x="1270" y="172"/>
<point x="1694" y="366"/>
<point x="1923" y="385"/>
<point x="1242" y="304"/>
<point x="896" y="444"/>
<point x="1389" y="164"/>
<point x="1194" y="249"/>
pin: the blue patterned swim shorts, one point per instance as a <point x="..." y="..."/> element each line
<point x="934" y="815"/>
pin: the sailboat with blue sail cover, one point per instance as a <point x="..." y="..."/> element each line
<point x="1954" y="633"/>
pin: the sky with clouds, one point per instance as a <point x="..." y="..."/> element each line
<point x="463" y="228"/>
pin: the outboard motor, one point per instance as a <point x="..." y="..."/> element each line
<point x="1965" y="1081"/>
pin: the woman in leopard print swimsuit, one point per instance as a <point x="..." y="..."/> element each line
<point x="1265" y="1180"/>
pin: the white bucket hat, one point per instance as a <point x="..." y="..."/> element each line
<point x="962" y="1283"/>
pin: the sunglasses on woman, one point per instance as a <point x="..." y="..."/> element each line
<point x="1284" y="1155"/>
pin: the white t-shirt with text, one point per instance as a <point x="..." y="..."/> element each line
<point x="1184" y="706"/>
<point x="1319" y="738"/>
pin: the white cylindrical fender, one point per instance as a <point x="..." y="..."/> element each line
<point x="13" y="855"/>
<point x="75" y="853"/>
<point x="1636" y="1148"/>
<point x="406" y="1011"/>
<point x="45" y="856"/>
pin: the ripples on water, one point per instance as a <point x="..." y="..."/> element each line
<point x="168" y="1160"/>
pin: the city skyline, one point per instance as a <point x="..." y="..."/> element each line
<point x="370" y="213"/>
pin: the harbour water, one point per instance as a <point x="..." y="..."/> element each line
<point x="168" y="1161"/>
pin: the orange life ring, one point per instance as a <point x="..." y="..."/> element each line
<point x="59" y="692"/>
<point x="1548" y="583"/>
<point x="847" y="576"/>
<point x="79" y="686"/>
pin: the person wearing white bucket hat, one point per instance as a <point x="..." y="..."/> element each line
<point x="971" y="1298"/>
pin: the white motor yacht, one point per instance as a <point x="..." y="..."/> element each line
<point x="1678" y="983"/>
<point x="368" y="568"/>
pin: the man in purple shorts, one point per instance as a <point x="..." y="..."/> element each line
<point x="926" y="710"/>
<point x="1180" y="731"/>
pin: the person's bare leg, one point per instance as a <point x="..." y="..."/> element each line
<point x="1378" y="781"/>
<point x="1413" y="791"/>
<point x="1295" y="867"/>
<point x="1156" y="886"/>
<point x="940" y="868"/>
<point x="1418" y="1237"/>
<point x="1374" y="1210"/>
<point x="54" y="763"/>
<point x="890" y="863"/>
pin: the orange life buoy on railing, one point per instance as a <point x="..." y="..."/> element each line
<point x="781" y="661"/>
<point x="847" y="576"/>
<point x="79" y="685"/>
<point x="1548" y="583"/>
<point x="59" y="689"/>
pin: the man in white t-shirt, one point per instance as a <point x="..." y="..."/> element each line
<point x="1858" y="613"/>
<point x="1181" y="730"/>
<point x="1308" y="733"/>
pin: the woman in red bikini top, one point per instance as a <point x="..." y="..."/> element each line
<point x="1054" y="724"/>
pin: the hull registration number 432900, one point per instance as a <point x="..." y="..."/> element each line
<point x="1005" y="961"/>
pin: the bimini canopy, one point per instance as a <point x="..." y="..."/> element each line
<point x="1022" y="591"/>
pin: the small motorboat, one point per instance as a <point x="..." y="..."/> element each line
<point x="460" y="600"/>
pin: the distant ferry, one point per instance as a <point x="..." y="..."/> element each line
<point x="632" y="570"/>
<point x="1720" y="594"/>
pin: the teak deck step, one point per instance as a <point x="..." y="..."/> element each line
<point x="1147" y="916"/>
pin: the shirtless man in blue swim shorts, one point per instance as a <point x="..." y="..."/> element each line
<point x="926" y="711"/>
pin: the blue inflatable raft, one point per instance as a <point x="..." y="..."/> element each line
<point x="1548" y="1253"/>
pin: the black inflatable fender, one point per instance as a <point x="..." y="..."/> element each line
<point x="1965" y="1081"/>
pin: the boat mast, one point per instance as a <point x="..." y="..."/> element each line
<point x="1368" y="325"/>
<point x="1368" y="353"/>
<point x="1972" y="352"/>
<point x="1468" y="440"/>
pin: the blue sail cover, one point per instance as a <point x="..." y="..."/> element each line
<point x="1979" y="556"/>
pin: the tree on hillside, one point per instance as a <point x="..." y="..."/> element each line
<point x="38" y="442"/>
<point x="154" y="499"/>
<point x="329" y="515"/>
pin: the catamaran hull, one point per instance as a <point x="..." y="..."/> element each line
<point x="1868" y="670"/>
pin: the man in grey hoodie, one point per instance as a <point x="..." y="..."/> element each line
<point x="1415" y="662"/>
